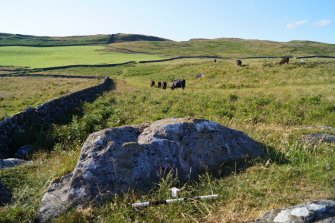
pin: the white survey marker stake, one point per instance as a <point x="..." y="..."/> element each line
<point x="174" y="191"/>
<point x="169" y="201"/>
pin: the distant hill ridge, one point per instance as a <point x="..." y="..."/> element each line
<point x="220" y="47"/>
<point x="226" y="47"/>
<point x="7" y="39"/>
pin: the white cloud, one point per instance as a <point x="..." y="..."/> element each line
<point x="295" y="24"/>
<point x="322" y="23"/>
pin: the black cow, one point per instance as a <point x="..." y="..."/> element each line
<point x="178" y="84"/>
<point x="239" y="62"/>
<point x="159" y="85"/>
<point x="164" y="85"/>
<point x="214" y="60"/>
<point x="152" y="84"/>
<point x="284" y="60"/>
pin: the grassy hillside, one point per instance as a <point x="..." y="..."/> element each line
<point x="273" y="104"/>
<point x="7" y="39"/>
<point x="226" y="48"/>
<point x="37" y="57"/>
<point x="122" y="37"/>
<point x="118" y="48"/>
<point x="135" y="43"/>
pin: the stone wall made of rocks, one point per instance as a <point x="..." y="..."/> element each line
<point x="44" y="113"/>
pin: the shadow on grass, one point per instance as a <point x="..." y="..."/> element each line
<point x="274" y="156"/>
<point x="270" y="156"/>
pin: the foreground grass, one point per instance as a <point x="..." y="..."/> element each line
<point x="39" y="57"/>
<point x="17" y="93"/>
<point x="274" y="105"/>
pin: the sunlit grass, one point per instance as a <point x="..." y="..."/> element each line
<point x="39" y="57"/>
<point x="273" y="104"/>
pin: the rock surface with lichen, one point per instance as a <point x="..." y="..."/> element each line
<point x="322" y="211"/>
<point x="134" y="157"/>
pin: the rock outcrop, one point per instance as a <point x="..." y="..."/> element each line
<point x="318" y="138"/>
<point x="12" y="162"/>
<point x="322" y="211"/>
<point x="5" y="195"/>
<point x="132" y="157"/>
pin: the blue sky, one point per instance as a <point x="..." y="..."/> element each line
<point x="278" y="20"/>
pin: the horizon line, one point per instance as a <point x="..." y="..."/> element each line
<point x="195" y="38"/>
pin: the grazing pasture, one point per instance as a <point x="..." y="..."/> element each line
<point x="273" y="104"/>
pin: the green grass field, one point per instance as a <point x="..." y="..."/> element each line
<point x="38" y="57"/>
<point x="273" y="104"/>
<point x="16" y="94"/>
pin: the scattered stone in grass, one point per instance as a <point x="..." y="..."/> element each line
<point x="199" y="75"/>
<point x="268" y="163"/>
<point x="317" y="139"/>
<point x="327" y="127"/>
<point x="12" y="162"/>
<point x="321" y="211"/>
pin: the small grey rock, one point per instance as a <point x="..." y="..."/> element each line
<point x="12" y="162"/>
<point x="322" y="211"/>
<point x="268" y="163"/>
<point x="318" y="138"/>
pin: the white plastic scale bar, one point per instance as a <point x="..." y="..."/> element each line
<point x="168" y="201"/>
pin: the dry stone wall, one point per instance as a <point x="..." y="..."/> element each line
<point x="44" y="113"/>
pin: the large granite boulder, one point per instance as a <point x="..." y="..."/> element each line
<point x="322" y="211"/>
<point x="132" y="157"/>
<point x="5" y="195"/>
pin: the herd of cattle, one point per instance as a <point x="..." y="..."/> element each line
<point x="181" y="83"/>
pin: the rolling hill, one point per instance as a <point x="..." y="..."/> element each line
<point x="135" y="43"/>
<point x="21" y="50"/>
<point x="226" y="47"/>
<point x="7" y="39"/>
